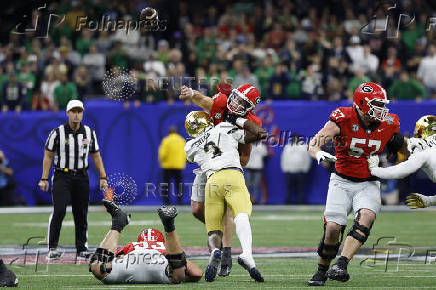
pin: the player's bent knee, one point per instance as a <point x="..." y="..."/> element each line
<point x="178" y="276"/>
<point x="100" y="263"/>
<point x="359" y="231"/>
<point x="329" y="245"/>
<point x="197" y="209"/>
<point x="366" y="216"/>
<point x="177" y="267"/>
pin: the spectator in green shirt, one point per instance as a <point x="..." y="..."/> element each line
<point x="84" y="42"/>
<point x="407" y="88"/>
<point x="359" y="78"/>
<point x="28" y="79"/>
<point x="263" y="74"/>
<point x="64" y="92"/>
<point x="4" y="78"/>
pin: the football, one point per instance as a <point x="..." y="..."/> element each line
<point x="149" y="14"/>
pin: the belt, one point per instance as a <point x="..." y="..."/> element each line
<point x="72" y="171"/>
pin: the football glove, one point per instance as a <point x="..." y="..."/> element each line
<point x="416" y="200"/>
<point x="416" y="145"/>
<point x="324" y="156"/>
<point x="373" y="161"/>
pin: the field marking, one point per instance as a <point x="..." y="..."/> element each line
<point x="240" y="275"/>
<point x="70" y="223"/>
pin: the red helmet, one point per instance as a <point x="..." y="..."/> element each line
<point x="371" y="99"/>
<point x="151" y="235"/>
<point x="243" y="99"/>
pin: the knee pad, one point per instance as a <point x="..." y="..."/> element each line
<point x="329" y="252"/>
<point x="354" y="231"/>
<point x="104" y="256"/>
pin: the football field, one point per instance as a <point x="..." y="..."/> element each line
<point x="400" y="253"/>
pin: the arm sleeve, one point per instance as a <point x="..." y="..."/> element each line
<point x="401" y="170"/>
<point x="189" y="152"/>
<point x="94" y="143"/>
<point x="51" y="141"/>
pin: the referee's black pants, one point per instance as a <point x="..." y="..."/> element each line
<point x="67" y="185"/>
<point x="169" y="174"/>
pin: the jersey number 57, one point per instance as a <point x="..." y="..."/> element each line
<point x="357" y="152"/>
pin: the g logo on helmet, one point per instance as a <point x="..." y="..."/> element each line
<point x="366" y="89"/>
<point x="257" y="101"/>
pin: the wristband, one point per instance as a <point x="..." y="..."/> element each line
<point x="240" y="122"/>
<point x="104" y="177"/>
<point x="44" y="179"/>
<point x="192" y="92"/>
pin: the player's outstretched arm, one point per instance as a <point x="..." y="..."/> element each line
<point x="398" y="171"/>
<point x="195" y="96"/>
<point x="325" y="135"/>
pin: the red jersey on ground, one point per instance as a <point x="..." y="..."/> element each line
<point x="140" y="246"/>
<point x="355" y="142"/>
<point x="219" y="110"/>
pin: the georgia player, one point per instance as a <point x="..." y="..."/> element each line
<point x="240" y="102"/>
<point x="423" y="148"/>
<point x="152" y="259"/>
<point x="358" y="132"/>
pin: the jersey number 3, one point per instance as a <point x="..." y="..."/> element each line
<point x="211" y="146"/>
<point x="358" y="151"/>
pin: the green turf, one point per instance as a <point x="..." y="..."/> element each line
<point x="270" y="229"/>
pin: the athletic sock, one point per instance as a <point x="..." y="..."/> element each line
<point x="323" y="268"/>
<point x="243" y="230"/>
<point x="227" y="252"/>
<point x="342" y="260"/>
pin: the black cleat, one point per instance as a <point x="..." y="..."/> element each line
<point x="167" y="215"/>
<point x="226" y="266"/>
<point x="119" y="218"/>
<point x="212" y="268"/>
<point x="254" y="273"/>
<point x="7" y="277"/>
<point x="318" y="279"/>
<point x="338" y="272"/>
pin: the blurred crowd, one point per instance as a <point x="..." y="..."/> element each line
<point x="308" y="50"/>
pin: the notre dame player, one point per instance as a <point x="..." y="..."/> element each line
<point x="423" y="149"/>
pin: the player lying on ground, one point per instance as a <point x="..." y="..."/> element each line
<point x="423" y="147"/>
<point x="152" y="259"/>
<point x="358" y="132"/>
<point x="215" y="150"/>
<point x="241" y="102"/>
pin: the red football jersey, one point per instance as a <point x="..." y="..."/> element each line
<point x="355" y="144"/>
<point x="139" y="246"/>
<point x="219" y="108"/>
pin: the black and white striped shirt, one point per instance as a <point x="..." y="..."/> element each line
<point x="72" y="148"/>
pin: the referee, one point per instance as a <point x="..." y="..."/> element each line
<point x="70" y="144"/>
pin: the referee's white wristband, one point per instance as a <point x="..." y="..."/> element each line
<point x="240" y="122"/>
<point x="192" y="92"/>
